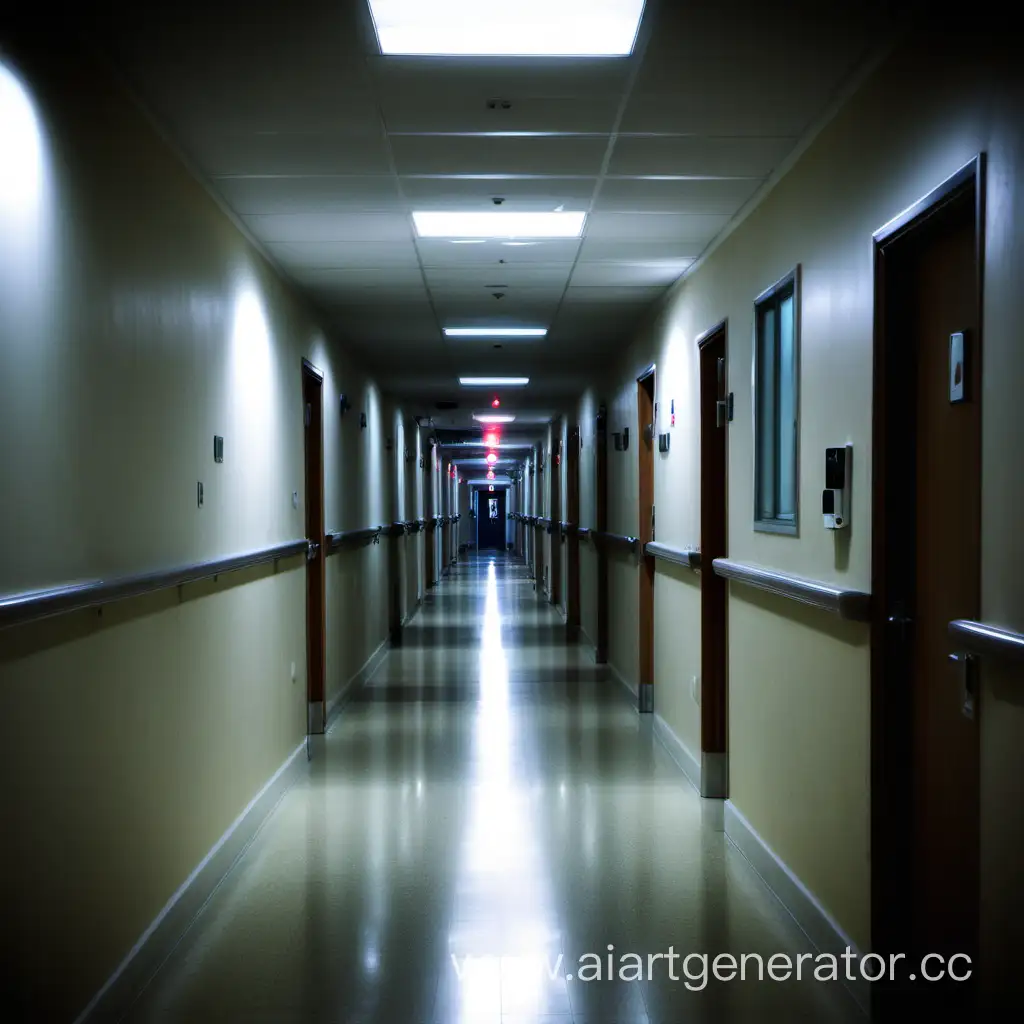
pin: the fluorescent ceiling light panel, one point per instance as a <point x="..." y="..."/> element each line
<point x="521" y="28"/>
<point x="494" y="382"/>
<point x="495" y="332"/>
<point x="487" y="417"/>
<point x="491" y="224"/>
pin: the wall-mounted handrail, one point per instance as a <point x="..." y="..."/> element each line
<point x="29" y="606"/>
<point x="339" y="540"/>
<point x="617" y="540"/>
<point x="584" y="532"/>
<point x="987" y="640"/>
<point x="854" y="605"/>
<point x="687" y="557"/>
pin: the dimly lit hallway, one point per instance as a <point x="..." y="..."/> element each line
<point x="489" y="793"/>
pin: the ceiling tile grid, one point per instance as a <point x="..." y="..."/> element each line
<point x="324" y="148"/>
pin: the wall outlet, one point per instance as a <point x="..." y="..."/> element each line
<point x="695" y="689"/>
<point x="199" y="494"/>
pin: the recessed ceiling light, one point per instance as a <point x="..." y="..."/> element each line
<point x="504" y="224"/>
<point x="494" y="382"/>
<point x="468" y="241"/>
<point x="525" y="28"/>
<point x="487" y="417"/>
<point x="495" y="332"/>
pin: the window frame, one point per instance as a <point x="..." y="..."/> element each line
<point x="772" y="298"/>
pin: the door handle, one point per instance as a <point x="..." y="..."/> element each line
<point x="312" y="550"/>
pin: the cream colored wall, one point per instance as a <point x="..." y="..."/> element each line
<point x="918" y="118"/>
<point x="137" y="324"/>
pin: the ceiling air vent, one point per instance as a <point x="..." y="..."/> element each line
<point x="498" y="104"/>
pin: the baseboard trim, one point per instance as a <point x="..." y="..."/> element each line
<point x="678" y="751"/>
<point x="159" y="940"/>
<point x="363" y="675"/>
<point x="802" y="905"/>
<point x="168" y="928"/>
<point x="630" y="688"/>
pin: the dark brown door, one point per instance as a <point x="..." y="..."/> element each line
<point x="313" y="411"/>
<point x="601" y="525"/>
<point x="431" y="528"/>
<point x="713" y="544"/>
<point x="927" y="569"/>
<point x="645" y="435"/>
<point x="572" y="515"/>
<point x="555" y="597"/>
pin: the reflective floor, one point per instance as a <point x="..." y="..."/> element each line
<point x="488" y="822"/>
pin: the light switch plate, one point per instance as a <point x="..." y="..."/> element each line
<point x="295" y="499"/>
<point x="199" y="494"/>
<point x="218" y="448"/>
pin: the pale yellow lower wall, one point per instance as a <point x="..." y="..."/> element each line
<point x="677" y="651"/>
<point x="357" y="613"/>
<point x="799" y="758"/>
<point x="623" y="615"/>
<point x="129" y="742"/>
<point x="588" y="590"/>
<point x="1001" y="721"/>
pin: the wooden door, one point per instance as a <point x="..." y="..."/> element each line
<point x="714" y="694"/>
<point x="316" y="600"/>
<point x="926" y="830"/>
<point x="645" y="437"/>
<point x="572" y="515"/>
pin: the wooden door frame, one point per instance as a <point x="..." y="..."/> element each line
<point x="430" y="514"/>
<point x="554" y="460"/>
<point x="601" y="526"/>
<point x="572" y="516"/>
<point x="645" y="495"/>
<point x="892" y="765"/>
<point x="316" y="585"/>
<point x="714" y="611"/>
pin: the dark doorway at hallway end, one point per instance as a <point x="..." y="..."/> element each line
<point x="490" y="520"/>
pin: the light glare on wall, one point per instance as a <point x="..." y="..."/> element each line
<point x="523" y="28"/>
<point x="501" y="224"/>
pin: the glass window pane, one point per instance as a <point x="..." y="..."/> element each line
<point x="787" y="426"/>
<point x="766" y="415"/>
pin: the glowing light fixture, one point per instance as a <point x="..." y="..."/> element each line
<point x="525" y="28"/>
<point x="494" y="382"/>
<point x="486" y="417"/>
<point x="495" y="332"/>
<point x="490" y="474"/>
<point x="490" y="224"/>
<point x="491" y="439"/>
<point x="496" y="403"/>
<point x="492" y="458"/>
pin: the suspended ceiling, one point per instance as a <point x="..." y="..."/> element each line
<point x="322" y="148"/>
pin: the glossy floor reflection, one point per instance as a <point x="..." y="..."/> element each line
<point x="484" y="813"/>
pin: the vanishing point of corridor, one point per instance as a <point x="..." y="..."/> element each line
<point x="486" y="811"/>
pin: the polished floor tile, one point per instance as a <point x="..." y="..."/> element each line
<point x="489" y="834"/>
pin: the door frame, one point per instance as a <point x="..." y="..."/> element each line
<point x="645" y="532"/>
<point x="714" y="596"/>
<point x="555" y="515"/>
<point x="316" y="584"/>
<point x="601" y="526"/>
<point x="892" y="765"/>
<point x="572" y="515"/>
